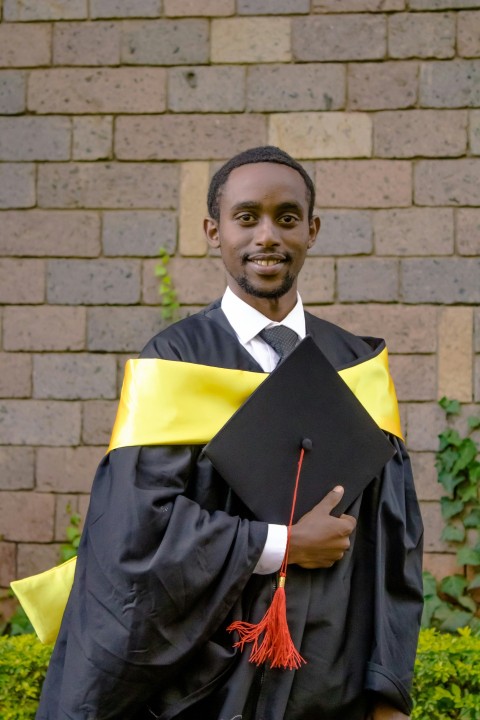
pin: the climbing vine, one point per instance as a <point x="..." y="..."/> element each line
<point x="166" y="289"/>
<point x="455" y="601"/>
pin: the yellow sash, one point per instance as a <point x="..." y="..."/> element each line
<point x="165" y="402"/>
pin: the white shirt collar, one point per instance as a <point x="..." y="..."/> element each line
<point x="248" y="322"/>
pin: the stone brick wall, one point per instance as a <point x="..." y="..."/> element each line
<point x="114" y="114"/>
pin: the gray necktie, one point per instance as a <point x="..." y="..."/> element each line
<point x="282" y="339"/>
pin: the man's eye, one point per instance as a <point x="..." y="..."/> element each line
<point x="288" y="219"/>
<point x="246" y="217"/>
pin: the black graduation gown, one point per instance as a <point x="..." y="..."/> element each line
<point x="165" y="564"/>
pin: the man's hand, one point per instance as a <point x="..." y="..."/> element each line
<point x="318" y="539"/>
<point x="386" y="712"/>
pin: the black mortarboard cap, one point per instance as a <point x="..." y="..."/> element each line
<point x="302" y="403"/>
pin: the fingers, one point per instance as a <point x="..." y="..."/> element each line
<point x="332" y="498"/>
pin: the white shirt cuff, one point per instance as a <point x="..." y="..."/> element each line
<point x="274" y="550"/>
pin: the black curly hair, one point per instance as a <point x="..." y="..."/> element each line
<point x="265" y="153"/>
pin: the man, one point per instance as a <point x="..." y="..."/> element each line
<point x="170" y="557"/>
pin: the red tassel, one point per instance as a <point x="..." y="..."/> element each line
<point x="277" y="644"/>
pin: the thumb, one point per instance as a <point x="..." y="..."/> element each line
<point x="333" y="497"/>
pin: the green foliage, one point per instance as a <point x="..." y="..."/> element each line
<point x="451" y="604"/>
<point x="74" y="533"/>
<point x="23" y="663"/>
<point x="18" y="623"/>
<point x="167" y="292"/>
<point x="447" y="676"/>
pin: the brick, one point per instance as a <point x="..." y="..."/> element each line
<point x="425" y="474"/>
<point x="187" y="137"/>
<point x="39" y="422"/>
<point x="44" y="328"/>
<point x="420" y="133"/>
<point x="138" y="233"/>
<point x="197" y="281"/>
<point x="97" y="421"/>
<point x="13" y="93"/>
<point x="363" y="183"/>
<point x="15" y="375"/>
<point x="433" y="524"/>
<point x="84" y="282"/>
<point x="86" y="43"/>
<point x="272" y="7"/>
<point x="206" y="89"/>
<point x="363" y="280"/>
<point x="446" y="281"/>
<point x="22" y="281"/>
<point x="443" y="4"/>
<point x="35" y="138"/>
<point x="382" y="86"/>
<point x="414" y="231"/>
<point x="406" y="329"/>
<point x="317" y="281"/>
<point x="16" y="468"/>
<point x="344" y="233"/>
<point x="65" y="505"/>
<point x="33" y="558"/>
<point x="468" y="34"/>
<point x="44" y="9"/>
<point x="477" y="330"/>
<point x="450" y="83"/>
<point x="106" y="90"/>
<point x="41" y="232"/>
<point x="74" y="377"/>
<point x="441" y="564"/>
<point x="24" y="45"/>
<point x="415" y="376"/>
<point x="125" y="8"/>
<point x="179" y="8"/>
<point x="309" y="86"/>
<point x="474" y="132"/>
<point x="468" y="231"/>
<point x="338" y="6"/>
<point x="250" y="40"/>
<point x="67" y="470"/>
<point x="26" y="516"/>
<point x="455" y="369"/>
<point x="477" y="378"/>
<point x="17" y="185"/>
<point x="425" y="422"/>
<point x="83" y="505"/>
<point x="107" y="185"/>
<point x="447" y="182"/>
<point x="422" y="35"/>
<point x="322" y="135"/>
<point x="165" y="42"/>
<point x="92" y="138"/>
<point x="337" y="37"/>
<point x="194" y="182"/>
<point x="123" y="329"/>
<point x="7" y="563"/>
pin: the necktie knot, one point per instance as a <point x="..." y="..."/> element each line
<point x="281" y="338"/>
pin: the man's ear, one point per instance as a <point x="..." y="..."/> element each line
<point x="314" y="227"/>
<point x="210" y="228"/>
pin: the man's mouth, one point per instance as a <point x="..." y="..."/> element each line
<point x="266" y="260"/>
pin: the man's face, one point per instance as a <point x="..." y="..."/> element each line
<point x="263" y="233"/>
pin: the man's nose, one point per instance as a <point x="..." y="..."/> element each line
<point x="266" y="232"/>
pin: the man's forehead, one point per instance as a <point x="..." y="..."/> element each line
<point x="245" y="180"/>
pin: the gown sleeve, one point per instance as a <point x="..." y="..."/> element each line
<point x="157" y="575"/>
<point x="398" y="584"/>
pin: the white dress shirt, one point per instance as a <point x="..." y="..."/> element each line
<point x="247" y="323"/>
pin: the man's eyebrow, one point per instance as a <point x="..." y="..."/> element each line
<point x="289" y="205"/>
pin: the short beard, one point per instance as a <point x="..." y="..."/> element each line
<point x="273" y="294"/>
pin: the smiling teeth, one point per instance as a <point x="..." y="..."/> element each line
<point x="266" y="263"/>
